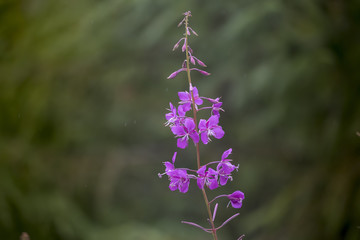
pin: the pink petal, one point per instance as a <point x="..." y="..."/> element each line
<point x="194" y="136"/>
<point x="236" y="204"/>
<point x="202" y="124"/>
<point x="184" y="187"/>
<point x="226" y="153"/>
<point x="223" y="180"/>
<point x="172" y="186"/>
<point x="213" y="185"/>
<point x="201" y="171"/>
<point x="182" y="142"/>
<point x="184" y="96"/>
<point x="201" y="182"/>
<point x="237" y="194"/>
<point x="213" y="121"/>
<point x="174" y="157"/>
<point x="186" y="107"/>
<point x="195" y="91"/>
<point x="204" y="137"/>
<point x="199" y="101"/>
<point x="168" y="166"/>
<point x="189" y="124"/>
<point x="218" y="132"/>
<point x="178" y="130"/>
<point x="169" y="116"/>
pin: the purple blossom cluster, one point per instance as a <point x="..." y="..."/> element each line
<point x="186" y="128"/>
<point x="205" y="176"/>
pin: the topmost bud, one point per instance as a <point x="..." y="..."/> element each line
<point x="186" y="14"/>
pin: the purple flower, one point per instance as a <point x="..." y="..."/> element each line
<point x="186" y="99"/>
<point x="179" y="180"/>
<point x="184" y="132"/>
<point x="236" y="199"/>
<point x="210" y="128"/>
<point x="172" y="117"/>
<point x="225" y="167"/>
<point x="208" y="177"/>
<point x="216" y="107"/>
<point x="174" y="74"/>
<point x="170" y="166"/>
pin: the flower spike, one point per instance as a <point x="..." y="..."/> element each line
<point x="186" y="127"/>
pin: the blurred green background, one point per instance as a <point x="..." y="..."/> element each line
<point x="83" y="92"/>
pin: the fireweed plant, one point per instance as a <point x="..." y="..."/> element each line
<point x="186" y="128"/>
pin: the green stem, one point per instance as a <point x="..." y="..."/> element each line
<point x="197" y="130"/>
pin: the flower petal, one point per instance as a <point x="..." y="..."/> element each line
<point x="201" y="171"/>
<point x="178" y="130"/>
<point x="198" y="101"/>
<point x="218" y="132"/>
<point x="202" y="125"/>
<point x="236" y="204"/>
<point x="186" y="107"/>
<point x="184" y="96"/>
<point x="195" y="92"/>
<point x="226" y="153"/>
<point x="194" y="136"/>
<point x="204" y="137"/>
<point x="213" y="121"/>
<point x="213" y="184"/>
<point x="182" y="142"/>
<point x="174" y="157"/>
<point x="172" y="186"/>
<point x="201" y="182"/>
<point x="223" y="180"/>
<point x="184" y="186"/>
<point x="189" y="124"/>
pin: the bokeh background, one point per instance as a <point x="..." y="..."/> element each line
<point x="83" y="92"/>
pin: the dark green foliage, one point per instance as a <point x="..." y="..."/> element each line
<point x="83" y="92"/>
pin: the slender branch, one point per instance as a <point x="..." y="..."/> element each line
<point x="228" y="220"/>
